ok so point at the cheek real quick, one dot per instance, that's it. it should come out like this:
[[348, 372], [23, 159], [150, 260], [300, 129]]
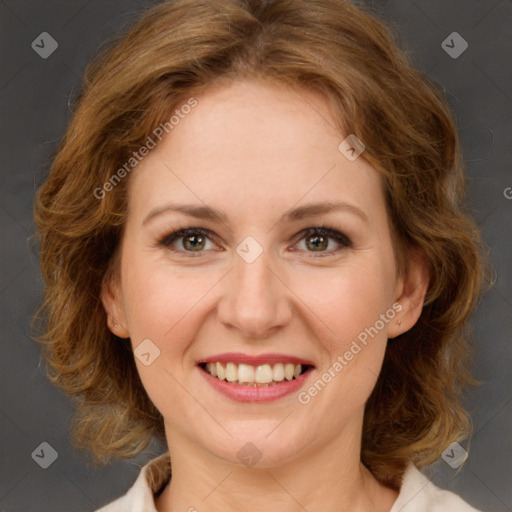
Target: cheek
[[162, 302], [347, 299], [352, 308], [352, 313], [162, 305]]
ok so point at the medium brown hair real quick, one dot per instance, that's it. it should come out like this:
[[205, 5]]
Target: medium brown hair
[[175, 51]]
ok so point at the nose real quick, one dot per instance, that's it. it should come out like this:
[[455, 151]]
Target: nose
[[255, 300]]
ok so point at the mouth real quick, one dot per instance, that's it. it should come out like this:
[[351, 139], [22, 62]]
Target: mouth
[[262, 375], [255, 379]]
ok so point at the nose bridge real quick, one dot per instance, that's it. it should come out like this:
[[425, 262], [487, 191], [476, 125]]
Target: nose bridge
[[255, 301]]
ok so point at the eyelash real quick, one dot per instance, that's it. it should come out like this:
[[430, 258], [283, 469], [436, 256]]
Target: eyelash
[[322, 230]]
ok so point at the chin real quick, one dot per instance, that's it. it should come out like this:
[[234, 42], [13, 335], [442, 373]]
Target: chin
[[259, 451]]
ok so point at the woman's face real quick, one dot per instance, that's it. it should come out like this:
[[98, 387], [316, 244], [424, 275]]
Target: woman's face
[[254, 287]]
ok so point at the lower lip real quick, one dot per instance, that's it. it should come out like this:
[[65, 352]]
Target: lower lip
[[256, 394]]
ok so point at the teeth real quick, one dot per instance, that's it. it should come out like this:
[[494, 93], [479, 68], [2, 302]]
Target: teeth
[[231, 372], [221, 372], [278, 372], [246, 374], [212, 369], [263, 374]]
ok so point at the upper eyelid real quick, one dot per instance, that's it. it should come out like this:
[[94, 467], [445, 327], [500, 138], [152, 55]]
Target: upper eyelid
[[180, 233]]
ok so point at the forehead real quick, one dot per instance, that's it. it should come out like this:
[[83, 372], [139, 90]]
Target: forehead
[[254, 145]]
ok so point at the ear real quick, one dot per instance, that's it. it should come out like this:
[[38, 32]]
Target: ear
[[111, 298], [411, 291]]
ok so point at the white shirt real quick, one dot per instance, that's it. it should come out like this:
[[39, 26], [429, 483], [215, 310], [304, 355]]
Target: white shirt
[[417, 493]]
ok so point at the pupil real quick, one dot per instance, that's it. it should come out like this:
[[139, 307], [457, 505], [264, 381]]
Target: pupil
[[318, 241], [197, 242]]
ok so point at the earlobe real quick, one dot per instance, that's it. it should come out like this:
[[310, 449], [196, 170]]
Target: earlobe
[[110, 297], [414, 288]]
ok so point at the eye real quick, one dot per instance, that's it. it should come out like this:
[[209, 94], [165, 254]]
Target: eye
[[317, 239], [193, 240]]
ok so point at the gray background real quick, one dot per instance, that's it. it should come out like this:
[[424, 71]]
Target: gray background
[[34, 94]]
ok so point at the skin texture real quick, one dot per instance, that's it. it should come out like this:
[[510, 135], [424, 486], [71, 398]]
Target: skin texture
[[255, 150]]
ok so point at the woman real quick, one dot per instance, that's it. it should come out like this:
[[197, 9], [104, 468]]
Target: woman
[[255, 250]]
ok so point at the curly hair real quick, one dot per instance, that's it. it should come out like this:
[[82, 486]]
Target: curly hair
[[178, 49]]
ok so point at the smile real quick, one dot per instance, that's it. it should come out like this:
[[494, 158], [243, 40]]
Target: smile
[[255, 379], [249, 375]]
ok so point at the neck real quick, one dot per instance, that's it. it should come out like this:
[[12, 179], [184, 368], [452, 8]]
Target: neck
[[329, 477]]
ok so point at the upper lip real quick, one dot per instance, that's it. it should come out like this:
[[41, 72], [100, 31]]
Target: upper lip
[[238, 357]]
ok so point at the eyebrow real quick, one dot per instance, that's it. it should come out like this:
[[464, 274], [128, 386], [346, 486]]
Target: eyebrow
[[313, 209], [213, 214], [197, 211]]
